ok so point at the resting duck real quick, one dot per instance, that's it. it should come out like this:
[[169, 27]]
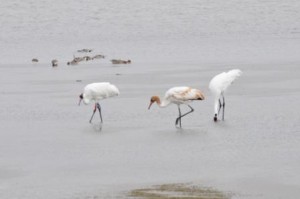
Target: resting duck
[[119, 61]]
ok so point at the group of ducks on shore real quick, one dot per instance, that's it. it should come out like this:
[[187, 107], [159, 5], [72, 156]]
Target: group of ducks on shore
[[77, 60], [176, 95]]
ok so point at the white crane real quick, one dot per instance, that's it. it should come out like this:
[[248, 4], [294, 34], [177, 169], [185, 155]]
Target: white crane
[[178, 96], [218, 86], [96, 92]]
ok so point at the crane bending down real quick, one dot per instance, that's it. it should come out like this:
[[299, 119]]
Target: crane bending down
[[96, 92], [178, 96], [218, 86]]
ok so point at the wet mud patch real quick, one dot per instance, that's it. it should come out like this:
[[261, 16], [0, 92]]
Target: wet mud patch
[[178, 191]]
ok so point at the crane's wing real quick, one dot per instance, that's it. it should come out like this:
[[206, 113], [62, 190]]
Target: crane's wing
[[182, 94], [230, 77], [98, 91], [222, 81]]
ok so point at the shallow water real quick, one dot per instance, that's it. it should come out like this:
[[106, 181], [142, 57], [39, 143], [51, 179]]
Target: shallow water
[[192, 31], [49, 150]]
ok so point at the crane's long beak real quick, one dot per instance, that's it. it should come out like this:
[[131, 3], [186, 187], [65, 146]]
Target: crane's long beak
[[150, 105]]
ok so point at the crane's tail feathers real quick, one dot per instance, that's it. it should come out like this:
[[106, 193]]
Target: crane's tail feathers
[[200, 96]]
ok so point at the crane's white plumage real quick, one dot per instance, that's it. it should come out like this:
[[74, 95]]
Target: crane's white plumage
[[181, 95], [99, 91], [96, 92], [178, 95], [218, 86]]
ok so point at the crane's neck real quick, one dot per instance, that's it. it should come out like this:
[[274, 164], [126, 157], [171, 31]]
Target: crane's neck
[[162, 103], [216, 107]]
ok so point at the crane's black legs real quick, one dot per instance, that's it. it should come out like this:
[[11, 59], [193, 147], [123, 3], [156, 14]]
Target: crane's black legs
[[221, 106], [97, 106], [93, 113], [181, 116]]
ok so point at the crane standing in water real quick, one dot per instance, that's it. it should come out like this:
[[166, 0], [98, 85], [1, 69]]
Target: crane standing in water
[[96, 92], [218, 85], [178, 96]]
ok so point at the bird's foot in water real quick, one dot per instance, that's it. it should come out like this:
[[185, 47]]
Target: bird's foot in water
[[97, 126], [100, 127], [176, 123]]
